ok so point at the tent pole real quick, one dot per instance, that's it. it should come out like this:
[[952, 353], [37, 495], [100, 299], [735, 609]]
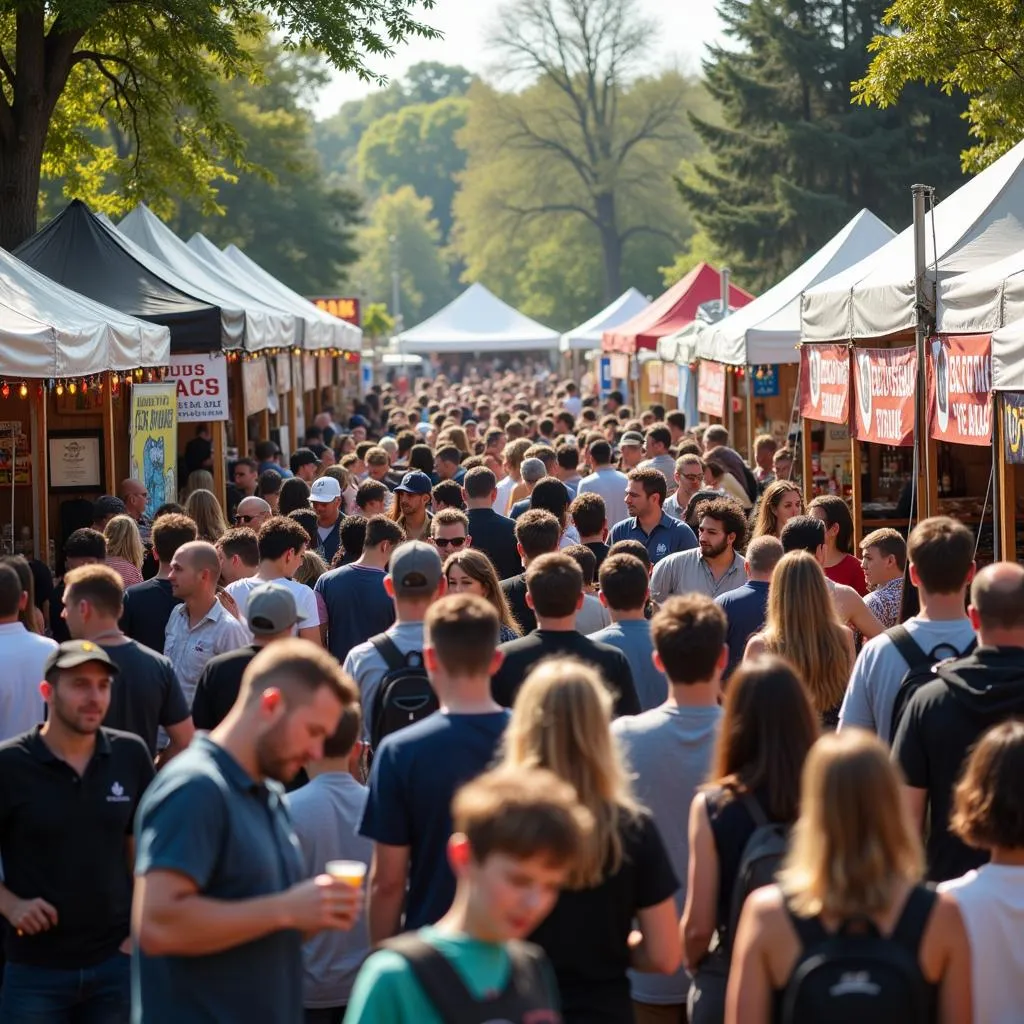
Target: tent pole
[[749, 380], [40, 474], [109, 435], [925, 316]]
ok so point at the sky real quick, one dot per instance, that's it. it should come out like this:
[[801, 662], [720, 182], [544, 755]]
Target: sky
[[686, 26]]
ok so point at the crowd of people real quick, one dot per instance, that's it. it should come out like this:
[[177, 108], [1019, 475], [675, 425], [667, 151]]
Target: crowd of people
[[502, 703]]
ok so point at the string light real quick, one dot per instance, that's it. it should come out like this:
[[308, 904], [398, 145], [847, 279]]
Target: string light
[[59, 389], [5, 390], [23, 390], [72, 387]]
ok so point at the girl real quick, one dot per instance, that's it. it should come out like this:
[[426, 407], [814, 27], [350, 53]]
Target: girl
[[471, 572]]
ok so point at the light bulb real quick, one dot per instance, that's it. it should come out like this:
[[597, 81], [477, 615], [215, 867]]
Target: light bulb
[[23, 390]]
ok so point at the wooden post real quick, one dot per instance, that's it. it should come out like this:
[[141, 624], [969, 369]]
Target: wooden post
[[109, 441], [264, 419], [856, 495], [807, 480], [40, 472], [293, 413], [749, 381], [1006, 490], [219, 439], [932, 467]]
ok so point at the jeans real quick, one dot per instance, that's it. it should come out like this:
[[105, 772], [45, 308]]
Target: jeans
[[49, 995]]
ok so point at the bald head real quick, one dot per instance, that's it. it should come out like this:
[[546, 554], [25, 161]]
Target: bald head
[[997, 604], [135, 496], [195, 572], [253, 512], [763, 554]]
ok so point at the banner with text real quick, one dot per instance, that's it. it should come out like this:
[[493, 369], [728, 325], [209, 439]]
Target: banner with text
[[959, 386], [885, 383], [1013, 426], [825, 383], [255, 385], [202, 384], [154, 441], [711, 388]]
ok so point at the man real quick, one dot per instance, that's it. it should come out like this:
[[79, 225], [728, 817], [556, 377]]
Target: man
[[448, 464], [713, 568], [148, 606], [555, 593], [649, 523], [765, 447], [372, 498], [532, 472], [566, 468], [941, 553], [613, 402], [84, 547], [378, 465], [689, 478], [624, 592], [782, 464], [352, 534], [326, 813], [239, 553], [716, 439], [449, 532], [565, 422], [304, 464], [104, 509], [199, 451], [135, 497], [513, 455], [246, 473], [68, 798], [676, 423], [537, 533], [572, 402], [588, 515], [271, 618], [325, 497], [447, 494], [417, 770], [631, 450], [493, 534], [282, 542], [656, 447], [944, 719], [669, 750], [200, 627], [220, 901], [413, 497], [413, 582], [253, 512], [358, 606], [606, 481], [23, 656], [884, 561], [269, 456], [146, 694], [746, 607], [592, 615]]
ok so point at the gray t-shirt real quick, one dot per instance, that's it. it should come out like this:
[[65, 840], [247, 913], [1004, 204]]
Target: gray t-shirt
[[880, 668], [669, 749], [633, 638]]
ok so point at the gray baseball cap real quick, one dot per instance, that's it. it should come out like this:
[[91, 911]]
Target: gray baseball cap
[[632, 438], [533, 470], [415, 569], [270, 609]]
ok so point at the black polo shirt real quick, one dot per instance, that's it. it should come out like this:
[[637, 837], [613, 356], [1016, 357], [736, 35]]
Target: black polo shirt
[[218, 686], [64, 837]]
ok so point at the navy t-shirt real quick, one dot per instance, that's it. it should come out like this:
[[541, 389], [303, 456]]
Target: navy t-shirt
[[745, 608], [416, 772], [358, 607]]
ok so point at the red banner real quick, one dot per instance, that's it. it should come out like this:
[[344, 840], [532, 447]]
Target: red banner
[[885, 385], [711, 389], [959, 386], [825, 383]]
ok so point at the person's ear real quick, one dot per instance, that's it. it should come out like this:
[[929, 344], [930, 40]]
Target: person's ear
[[271, 699], [459, 854], [723, 659], [916, 580], [430, 659], [582, 598], [972, 614], [746, 566], [602, 598], [23, 601], [658, 663], [389, 586], [529, 600], [497, 660]]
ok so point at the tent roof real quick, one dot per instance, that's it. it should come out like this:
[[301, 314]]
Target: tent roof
[[979, 224], [768, 329], [984, 299], [478, 321], [672, 310], [51, 331], [588, 335], [1008, 357], [79, 251], [262, 326]]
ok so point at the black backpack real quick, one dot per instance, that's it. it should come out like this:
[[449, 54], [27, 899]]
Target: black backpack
[[855, 974], [405, 694], [920, 668]]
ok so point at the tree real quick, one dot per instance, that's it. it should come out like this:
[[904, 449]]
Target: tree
[[148, 67], [973, 47], [377, 322], [794, 159]]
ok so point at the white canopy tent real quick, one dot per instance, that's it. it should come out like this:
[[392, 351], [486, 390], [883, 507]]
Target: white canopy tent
[[767, 330], [478, 321], [980, 224], [1008, 357], [984, 299], [587, 337]]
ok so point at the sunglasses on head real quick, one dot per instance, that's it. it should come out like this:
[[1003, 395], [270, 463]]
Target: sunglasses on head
[[455, 542]]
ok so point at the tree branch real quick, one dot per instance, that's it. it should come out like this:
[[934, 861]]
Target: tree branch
[[647, 229]]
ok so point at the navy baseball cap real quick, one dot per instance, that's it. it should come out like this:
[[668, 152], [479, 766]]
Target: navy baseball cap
[[416, 482]]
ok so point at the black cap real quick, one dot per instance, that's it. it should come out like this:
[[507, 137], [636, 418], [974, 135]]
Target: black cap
[[73, 653], [303, 457]]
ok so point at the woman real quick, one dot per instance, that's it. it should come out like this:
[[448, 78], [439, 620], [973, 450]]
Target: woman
[[802, 626], [854, 857], [840, 564], [199, 480], [455, 435], [561, 721], [31, 617], [294, 494], [767, 728], [471, 572], [780, 502], [204, 508], [310, 569], [124, 549]]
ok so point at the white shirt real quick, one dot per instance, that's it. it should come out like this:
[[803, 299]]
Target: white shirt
[[305, 600], [611, 485], [506, 485], [23, 656], [191, 647]]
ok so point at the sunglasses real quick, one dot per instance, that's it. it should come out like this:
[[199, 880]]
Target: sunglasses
[[244, 519], [455, 542], [692, 476]]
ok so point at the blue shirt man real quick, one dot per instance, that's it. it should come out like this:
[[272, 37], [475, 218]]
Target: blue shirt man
[[665, 537], [746, 607]]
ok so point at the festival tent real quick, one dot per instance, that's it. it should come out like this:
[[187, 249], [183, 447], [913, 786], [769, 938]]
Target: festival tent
[[1008, 357], [588, 335], [672, 311], [264, 326], [984, 299], [767, 330], [978, 225], [478, 321]]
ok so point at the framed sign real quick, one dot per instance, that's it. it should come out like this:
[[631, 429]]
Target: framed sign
[[76, 460]]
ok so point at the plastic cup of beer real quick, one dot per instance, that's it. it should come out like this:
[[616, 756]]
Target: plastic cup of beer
[[351, 872]]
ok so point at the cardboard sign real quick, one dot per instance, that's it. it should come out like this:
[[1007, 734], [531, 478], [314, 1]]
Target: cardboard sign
[[825, 383], [959, 388], [202, 386], [885, 388], [711, 389]]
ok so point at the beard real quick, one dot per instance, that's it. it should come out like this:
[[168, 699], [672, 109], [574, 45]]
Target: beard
[[709, 550], [72, 722], [272, 757]]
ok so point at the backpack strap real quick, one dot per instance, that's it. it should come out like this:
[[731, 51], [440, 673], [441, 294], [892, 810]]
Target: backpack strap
[[910, 650], [754, 809], [388, 650], [809, 930], [913, 920], [434, 973]]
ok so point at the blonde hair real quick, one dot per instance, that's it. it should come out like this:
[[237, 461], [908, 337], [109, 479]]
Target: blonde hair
[[853, 846], [124, 541], [199, 480], [311, 568], [766, 521], [204, 509], [478, 566], [562, 721], [802, 627]]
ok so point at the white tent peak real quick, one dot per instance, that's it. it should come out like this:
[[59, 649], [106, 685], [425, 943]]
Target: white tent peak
[[588, 335]]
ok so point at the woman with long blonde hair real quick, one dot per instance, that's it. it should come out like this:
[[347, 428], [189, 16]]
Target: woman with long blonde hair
[[203, 508], [562, 721], [198, 480], [455, 435], [779, 503], [855, 862], [125, 552], [471, 572], [802, 627]]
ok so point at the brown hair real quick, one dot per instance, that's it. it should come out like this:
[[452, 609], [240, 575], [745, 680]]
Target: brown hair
[[479, 567], [463, 631], [99, 585], [279, 535], [766, 521], [449, 517], [298, 668], [538, 532], [653, 482], [380, 528], [729, 513], [635, 548], [585, 559], [350, 727], [988, 807], [588, 513], [240, 541], [554, 583], [889, 542], [836, 512], [170, 532], [624, 582], [202, 505], [689, 633], [942, 552]]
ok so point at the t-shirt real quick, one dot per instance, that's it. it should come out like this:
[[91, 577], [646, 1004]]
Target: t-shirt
[[848, 571], [669, 752], [745, 609], [415, 774], [305, 599], [147, 607], [633, 638], [585, 935], [218, 686], [358, 607], [592, 616]]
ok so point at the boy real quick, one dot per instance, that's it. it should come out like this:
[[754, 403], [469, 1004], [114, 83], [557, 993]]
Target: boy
[[516, 834]]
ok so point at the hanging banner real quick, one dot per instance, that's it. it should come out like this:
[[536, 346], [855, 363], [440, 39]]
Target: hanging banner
[[15, 455], [255, 385], [885, 385], [325, 371], [154, 441], [959, 386], [283, 365], [825, 383], [620, 366], [1013, 427], [654, 377], [670, 380], [202, 383], [711, 388], [308, 372], [766, 381]]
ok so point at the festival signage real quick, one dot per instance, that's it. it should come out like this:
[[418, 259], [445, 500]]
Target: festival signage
[[711, 388], [202, 386], [766, 381], [255, 385], [885, 388], [154, 441], [308, 372], [959, 386], [283, 367], [325, 370], [620, 366], [654, 377], [346, 309], [825, 383], [1013, 427]]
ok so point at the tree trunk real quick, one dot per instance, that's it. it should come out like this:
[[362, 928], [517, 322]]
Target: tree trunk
[[611, 245], [20, 171]]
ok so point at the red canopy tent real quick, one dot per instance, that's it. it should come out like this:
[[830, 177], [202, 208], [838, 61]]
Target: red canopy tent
[[672, 311]]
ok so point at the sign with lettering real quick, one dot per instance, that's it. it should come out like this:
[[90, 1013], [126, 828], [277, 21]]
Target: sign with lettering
[[202, 386], [711, 388], [1013, 426], [825, 383], [885, 387], [154, 441], [959, 388], [343, 309]]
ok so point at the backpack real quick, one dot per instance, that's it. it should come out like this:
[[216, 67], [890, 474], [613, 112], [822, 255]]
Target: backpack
[[920, 668], [856, 974], [405, 694]]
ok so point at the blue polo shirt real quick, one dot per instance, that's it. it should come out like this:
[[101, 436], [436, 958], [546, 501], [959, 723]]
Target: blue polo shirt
[[745, 608], [668, 536], [204, 817]]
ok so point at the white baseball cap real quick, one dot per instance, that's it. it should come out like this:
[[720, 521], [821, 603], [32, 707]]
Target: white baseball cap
[[325, 489]]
